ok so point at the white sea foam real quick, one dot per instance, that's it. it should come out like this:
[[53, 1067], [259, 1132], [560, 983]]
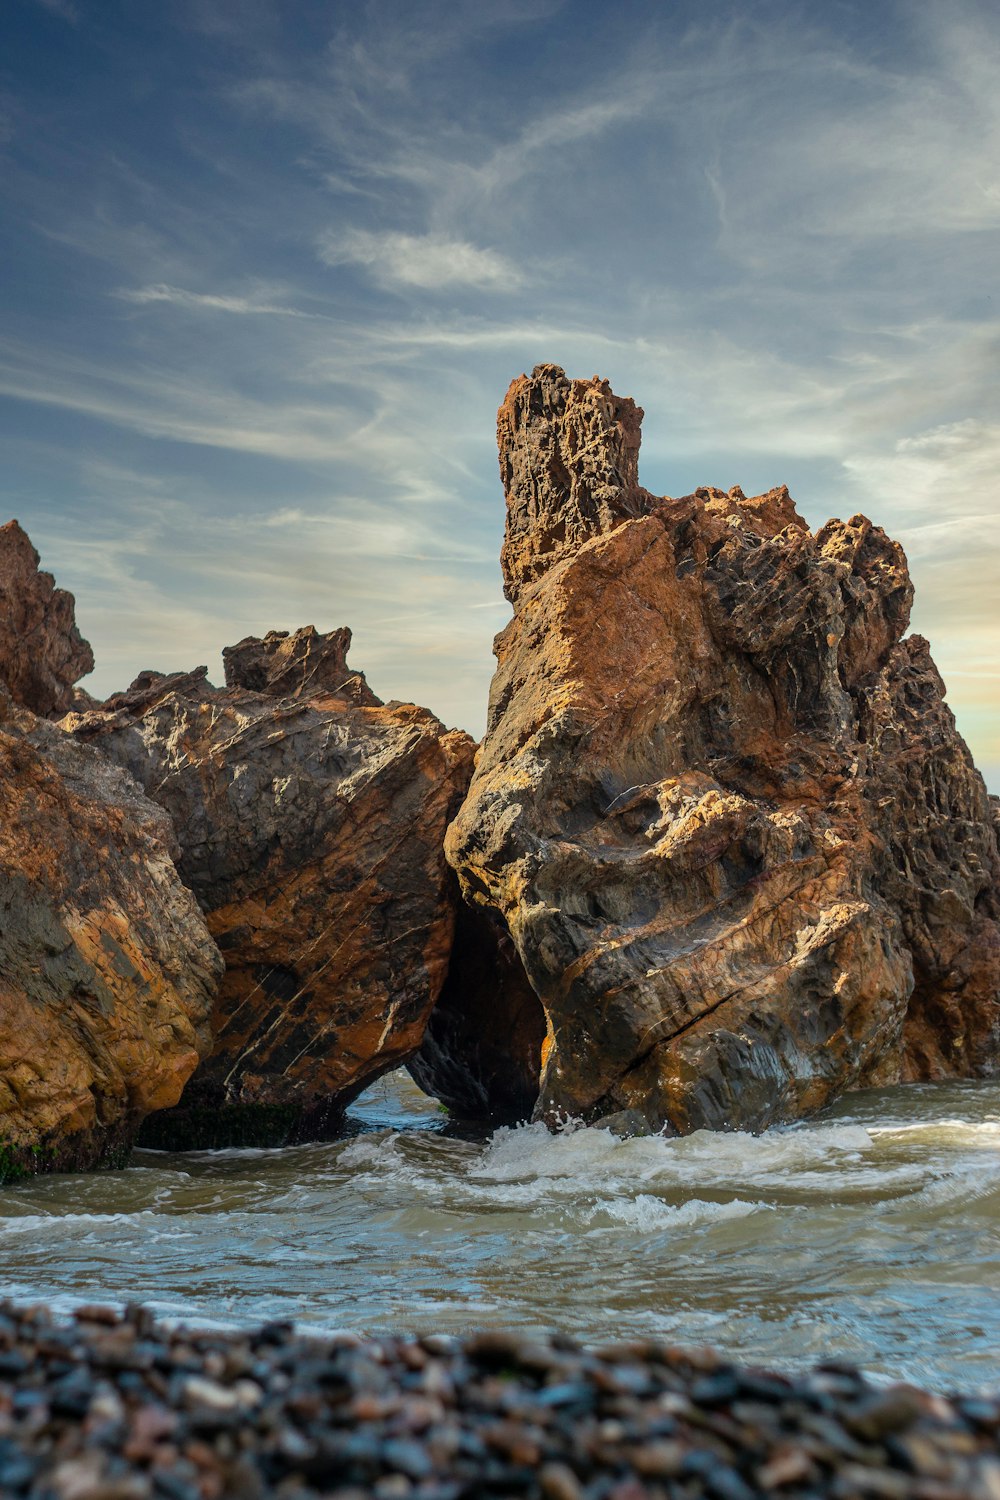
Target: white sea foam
[[580, 1171], [376, 1150], [973, 1134], [39, 1223], [647, 1212], [799, 1156], [873, 1233]]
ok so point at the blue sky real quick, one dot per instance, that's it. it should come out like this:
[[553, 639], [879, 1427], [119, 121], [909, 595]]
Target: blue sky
[[270, 266]]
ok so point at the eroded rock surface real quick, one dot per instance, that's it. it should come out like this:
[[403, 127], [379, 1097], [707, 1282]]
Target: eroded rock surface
[[721, 807], [311, 831], [569, 461], [42, 653], [295, 665], [107, 970], [938, 866]]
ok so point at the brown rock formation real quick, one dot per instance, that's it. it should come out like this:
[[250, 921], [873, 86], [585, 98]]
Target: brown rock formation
[[938, 842], [107, 971], [721, 807], [311, 832], [42, 654], [293, 666], [569, 461]]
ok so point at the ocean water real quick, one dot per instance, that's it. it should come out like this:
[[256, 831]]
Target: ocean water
[[870, 1233]]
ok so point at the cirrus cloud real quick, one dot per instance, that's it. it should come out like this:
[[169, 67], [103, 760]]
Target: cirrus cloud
[[427, 261], [177, 296]]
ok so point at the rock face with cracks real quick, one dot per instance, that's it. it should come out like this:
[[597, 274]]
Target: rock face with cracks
[[42, 653], [721, 808], [311, 829], [293, 666], [107, 970]]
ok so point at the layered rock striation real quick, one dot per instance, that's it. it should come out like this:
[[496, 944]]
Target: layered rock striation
[[721, 812], [42, 653], [107, 970], [297, 664], [310, 819]]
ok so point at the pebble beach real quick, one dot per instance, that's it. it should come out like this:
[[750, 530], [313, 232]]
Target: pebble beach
[[113, 1405]]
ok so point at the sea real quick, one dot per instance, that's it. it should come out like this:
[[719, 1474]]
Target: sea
[[870, 1233]]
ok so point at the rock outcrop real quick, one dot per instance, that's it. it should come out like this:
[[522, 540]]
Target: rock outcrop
[[42, 653], [107, 971], [310, 827], [293, 666], [938, 867], [721, 808]]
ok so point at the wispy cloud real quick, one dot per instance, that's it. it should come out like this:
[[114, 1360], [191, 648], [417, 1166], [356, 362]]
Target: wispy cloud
[[181, 409], [205, 301], [65, 9], [574, 122], [428, 261], [938, 485], [278, 310], [858, 156], [163, 582]]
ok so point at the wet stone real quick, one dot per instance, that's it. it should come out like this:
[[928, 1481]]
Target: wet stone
[[726, 1484], [16, 1474], [211, 1416], [761, 1387], [716, 1390], [891, 1411], [97, 1313], [985, 1414], [558, 1482], [407, 1458], [71, 1396]]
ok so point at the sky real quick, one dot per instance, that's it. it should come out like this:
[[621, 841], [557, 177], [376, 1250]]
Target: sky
[[269, 267]]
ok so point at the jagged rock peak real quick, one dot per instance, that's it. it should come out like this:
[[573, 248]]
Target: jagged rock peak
[[42, 653], [295, 665], [569, 456], [721, 811], [150, 686]]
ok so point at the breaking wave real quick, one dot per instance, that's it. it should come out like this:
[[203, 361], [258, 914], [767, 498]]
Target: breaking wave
[[870, 1233]]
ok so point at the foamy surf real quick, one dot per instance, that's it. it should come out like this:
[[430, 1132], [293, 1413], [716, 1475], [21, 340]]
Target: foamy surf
[[872, 1233]]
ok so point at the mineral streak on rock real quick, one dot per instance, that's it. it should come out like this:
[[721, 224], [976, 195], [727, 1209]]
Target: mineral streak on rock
[[42, 653], [311, 830], [721, 807], [292, 666], [107, 970]]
